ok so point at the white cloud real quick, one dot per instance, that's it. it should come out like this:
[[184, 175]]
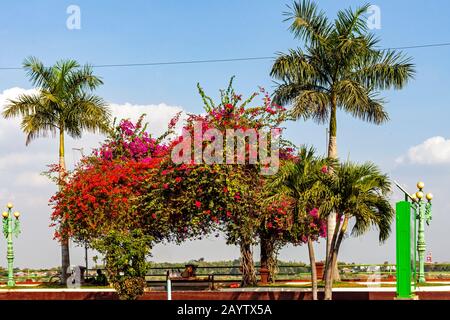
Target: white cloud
[[31, 179], [435, 150], [157, 115], [13, 93], [7, 126], [17, 160]]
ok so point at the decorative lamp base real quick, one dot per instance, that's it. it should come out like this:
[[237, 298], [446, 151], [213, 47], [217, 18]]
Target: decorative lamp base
[[413, 297]]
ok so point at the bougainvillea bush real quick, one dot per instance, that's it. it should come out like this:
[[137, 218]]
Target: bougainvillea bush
[[98, 203], [100, 194], [285, 223], [226, 197], [131, 183]]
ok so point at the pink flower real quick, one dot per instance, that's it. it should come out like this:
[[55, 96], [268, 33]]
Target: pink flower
[[324, 169], [314, 213], [166, 186]]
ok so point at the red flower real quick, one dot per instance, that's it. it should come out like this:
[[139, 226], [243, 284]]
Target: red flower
[[166, 186], [198, 204], [324, 169], [178, 179]]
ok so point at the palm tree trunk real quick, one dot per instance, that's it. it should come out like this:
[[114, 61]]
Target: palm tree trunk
[[247, 265], [65, 257], [328, 274], [333, 255], [332, 154], [312, 261]]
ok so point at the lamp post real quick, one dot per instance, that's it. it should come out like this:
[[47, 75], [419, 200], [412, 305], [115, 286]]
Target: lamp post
[[10, 228], [422, 214]]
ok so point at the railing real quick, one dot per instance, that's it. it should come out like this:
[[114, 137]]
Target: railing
[[233, 273]]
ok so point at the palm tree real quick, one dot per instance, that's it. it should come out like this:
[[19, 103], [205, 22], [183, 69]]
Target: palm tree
[[63, 104], [300, 181], [340, 67], [357, 192]]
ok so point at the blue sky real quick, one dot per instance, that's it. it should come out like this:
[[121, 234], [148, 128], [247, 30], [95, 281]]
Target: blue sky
[[158, 31]]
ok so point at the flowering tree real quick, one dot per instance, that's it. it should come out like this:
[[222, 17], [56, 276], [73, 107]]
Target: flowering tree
[[243, 212], [101, 193], [98, 203], [275, 226], [219, 196], [132, 183]]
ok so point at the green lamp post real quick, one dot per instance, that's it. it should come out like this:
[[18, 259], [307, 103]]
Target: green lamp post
[[10, 228], [422, 210]]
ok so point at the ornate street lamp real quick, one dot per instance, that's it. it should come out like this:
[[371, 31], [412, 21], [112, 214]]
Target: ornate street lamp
[[422, 210], [10, 228]]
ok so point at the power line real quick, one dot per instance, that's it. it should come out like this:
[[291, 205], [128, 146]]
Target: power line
[[444, 44], [163, 63], [147, 64], [180, 62]]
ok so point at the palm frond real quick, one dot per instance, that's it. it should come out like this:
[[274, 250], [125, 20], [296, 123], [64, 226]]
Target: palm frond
[[308, 23], [385, 70], [62, 101], [350, 22], [39, 75]]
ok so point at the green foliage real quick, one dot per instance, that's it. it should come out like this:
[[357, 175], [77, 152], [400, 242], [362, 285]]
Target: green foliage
[[359, 192], [125, 255]]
